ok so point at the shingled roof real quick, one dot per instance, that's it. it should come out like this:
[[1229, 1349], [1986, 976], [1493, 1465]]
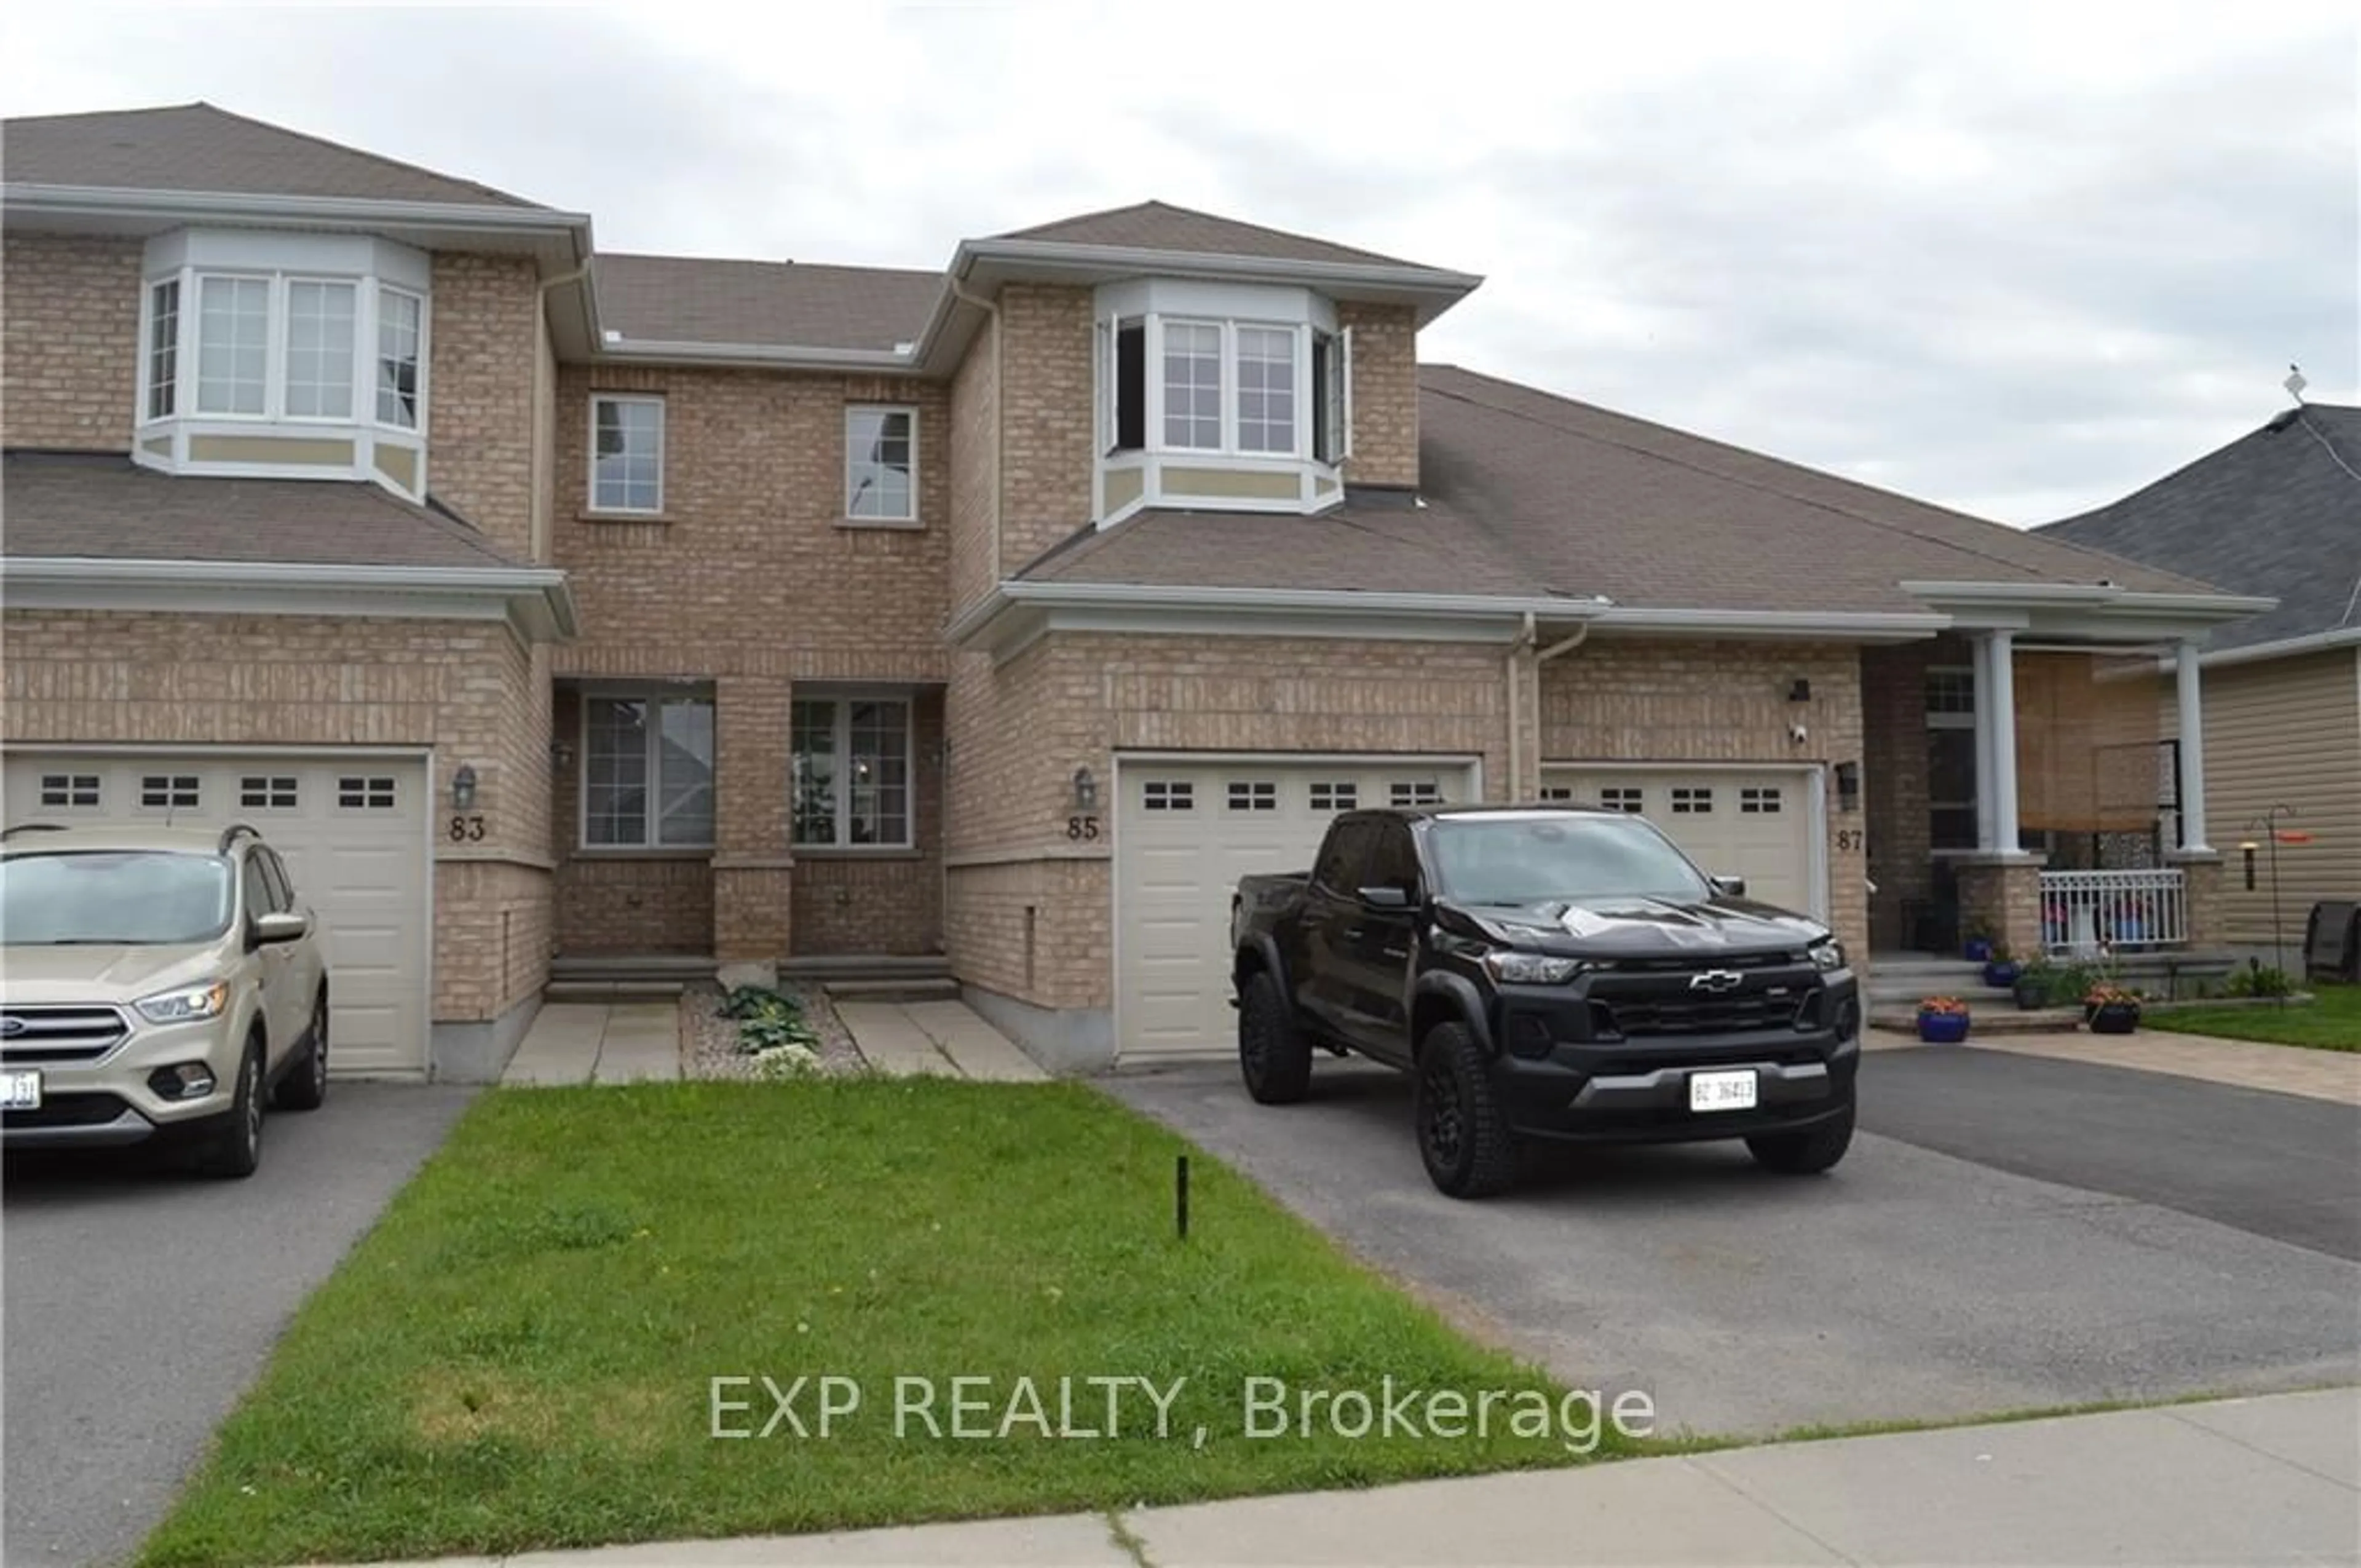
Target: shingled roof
[[1527, 493], [198, 148], [1160, 225], [2277, 512], [681, 299], [101, 505]]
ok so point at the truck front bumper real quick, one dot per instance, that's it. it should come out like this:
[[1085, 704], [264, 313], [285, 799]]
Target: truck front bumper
[[1612, 1098]]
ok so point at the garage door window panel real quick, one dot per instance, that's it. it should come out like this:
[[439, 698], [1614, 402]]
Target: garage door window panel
[[168, 792], [647, 773], [1167, 794], [70, 791], [852, 772]]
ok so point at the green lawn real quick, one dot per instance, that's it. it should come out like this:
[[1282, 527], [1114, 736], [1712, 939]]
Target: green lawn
[[519, 1355], [2331, 1024]]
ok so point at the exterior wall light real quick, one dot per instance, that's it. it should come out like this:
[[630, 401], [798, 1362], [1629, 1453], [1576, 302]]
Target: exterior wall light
[[1799, 690], [1086, 790], [1847, 786], [463, 788]]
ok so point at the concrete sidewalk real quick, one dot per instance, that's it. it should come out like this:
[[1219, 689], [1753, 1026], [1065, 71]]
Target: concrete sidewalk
[[2272, 1480], [2248, 1064], [946, 1039], [598, 1042]]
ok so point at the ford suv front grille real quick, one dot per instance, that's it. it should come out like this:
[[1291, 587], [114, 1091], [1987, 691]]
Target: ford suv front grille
[[32, 1034]]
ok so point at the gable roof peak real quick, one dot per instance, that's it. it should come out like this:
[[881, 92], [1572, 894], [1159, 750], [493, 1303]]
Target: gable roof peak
[[1159, 224]]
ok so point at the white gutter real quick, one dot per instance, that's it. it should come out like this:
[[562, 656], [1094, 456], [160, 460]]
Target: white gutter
[[1134, 258], [728, 355], [101, 201], [2285, 648], [991, 308], [1777, 622], [545, 583], [2221, 607]]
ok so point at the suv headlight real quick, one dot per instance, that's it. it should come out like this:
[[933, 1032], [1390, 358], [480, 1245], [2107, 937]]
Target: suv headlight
[[1826, 954], [1531, 969], [186, 1004]]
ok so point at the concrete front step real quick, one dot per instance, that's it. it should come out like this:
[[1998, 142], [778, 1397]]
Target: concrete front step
[[867, 966], [680, 968], [1884, 992], [917, 989], [611, 990], [2008, 1020]]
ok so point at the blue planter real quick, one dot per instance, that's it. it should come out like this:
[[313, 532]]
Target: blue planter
[[1942, 1028], [2001, 974], [1977, 950]]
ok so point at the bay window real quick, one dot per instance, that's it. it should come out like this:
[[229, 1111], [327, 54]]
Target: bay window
[[1266, 389], [850, 758], [163, 348], [399, 315], [1192, 385], [647, 772], [233, 345], [320, 321]]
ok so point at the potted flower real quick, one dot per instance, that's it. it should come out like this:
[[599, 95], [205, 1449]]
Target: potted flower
[[2111, 1010], [1978, 947], [2001, 970], [1942, 1020], [2031, 986]]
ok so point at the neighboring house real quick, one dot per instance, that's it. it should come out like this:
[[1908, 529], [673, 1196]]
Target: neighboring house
[[544, 602], [2276, 512]]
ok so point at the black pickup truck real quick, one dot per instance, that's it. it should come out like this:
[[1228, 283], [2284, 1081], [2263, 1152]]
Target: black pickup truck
[[1547, 972]]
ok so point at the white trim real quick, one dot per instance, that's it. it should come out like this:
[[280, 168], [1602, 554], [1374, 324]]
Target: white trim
[[1817, 870], [841, 699], [1472, 762], [603, 508], [536, 599], [911, 519], [2284, 648], [655, 696]]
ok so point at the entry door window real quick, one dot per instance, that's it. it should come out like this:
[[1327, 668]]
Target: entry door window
[[1951, 758]]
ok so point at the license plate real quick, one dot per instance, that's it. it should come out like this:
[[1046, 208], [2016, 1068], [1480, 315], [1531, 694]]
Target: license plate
[[1721, 1091], [20, 1090]]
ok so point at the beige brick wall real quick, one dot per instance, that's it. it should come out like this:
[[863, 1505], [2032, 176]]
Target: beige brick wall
[[1631, 701], [462, 687], [1046, 422], [1385, 393], [1895, 784], [974, 471], [1072, 700], [70, 344], [480, 414], [2003, 902]]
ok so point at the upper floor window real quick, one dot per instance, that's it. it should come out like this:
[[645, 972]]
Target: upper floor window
[[1192, 385], [881, 465], [399, 318], [233, 346], [627, 454], [163, 348]]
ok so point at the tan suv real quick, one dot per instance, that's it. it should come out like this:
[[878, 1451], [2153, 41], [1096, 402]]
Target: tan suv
[[155, 981]]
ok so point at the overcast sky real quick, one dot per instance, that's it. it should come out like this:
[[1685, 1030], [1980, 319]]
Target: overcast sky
[[2020, 259]]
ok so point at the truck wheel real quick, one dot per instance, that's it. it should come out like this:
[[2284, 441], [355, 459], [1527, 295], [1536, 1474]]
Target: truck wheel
[[305, 1086], [1462, 1135], [1805, 1152], [232, 1149], [1272, 1052]]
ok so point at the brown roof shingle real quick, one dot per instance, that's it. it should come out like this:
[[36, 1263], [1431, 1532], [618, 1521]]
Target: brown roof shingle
[[1158, 225], [1528, 493], [684, 298], [198, 148], [102, 505]]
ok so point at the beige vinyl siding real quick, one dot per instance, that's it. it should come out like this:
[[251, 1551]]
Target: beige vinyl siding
[[2288, 731]]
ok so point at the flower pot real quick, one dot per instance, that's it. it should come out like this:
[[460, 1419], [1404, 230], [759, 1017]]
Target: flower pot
[[1977, 950], [2001, 974], [2031, 992], [2113, 1018], [1942, 1028]]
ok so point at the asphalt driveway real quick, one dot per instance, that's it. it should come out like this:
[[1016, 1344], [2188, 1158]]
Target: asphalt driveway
[[1990, 1244], [141, 1302]]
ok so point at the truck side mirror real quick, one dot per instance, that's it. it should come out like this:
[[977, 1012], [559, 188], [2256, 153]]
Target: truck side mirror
[[1735, 886], [1384, 898]]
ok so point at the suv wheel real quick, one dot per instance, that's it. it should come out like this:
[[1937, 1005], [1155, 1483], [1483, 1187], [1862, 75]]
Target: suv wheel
[[1462, 1135], [306, 1083], [234, 1147], [1272, 1051], [1807, 1153]]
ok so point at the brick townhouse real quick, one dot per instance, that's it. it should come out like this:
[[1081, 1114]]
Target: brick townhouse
[[543, 603]]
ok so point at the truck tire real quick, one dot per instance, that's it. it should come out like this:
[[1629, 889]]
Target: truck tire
[[232, 1149], [1462, 1135], [305, 1086], [1273, 1053], [1807, 1153]]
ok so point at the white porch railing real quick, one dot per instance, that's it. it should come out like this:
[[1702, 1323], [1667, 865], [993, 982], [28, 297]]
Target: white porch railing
[[2086, 913]]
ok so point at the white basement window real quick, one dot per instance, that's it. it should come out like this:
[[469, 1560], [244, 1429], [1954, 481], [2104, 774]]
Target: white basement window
[[881, 465], [850, 758], [647, 773], [627, 454]]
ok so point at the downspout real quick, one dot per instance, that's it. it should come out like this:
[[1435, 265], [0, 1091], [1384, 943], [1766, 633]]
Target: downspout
[[1518, 646], [999, 413], [992, 585], [1564, 646]]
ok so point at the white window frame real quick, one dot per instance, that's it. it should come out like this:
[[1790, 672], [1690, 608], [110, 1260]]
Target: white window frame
[[284, 331], [1299, 341], [840, 731], [273, 338], [374, 338], [602, 508], [1226, 385], [653, 819], [881, 519], [149, 348]]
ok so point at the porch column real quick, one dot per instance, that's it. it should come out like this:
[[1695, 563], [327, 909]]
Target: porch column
[[2000, 657], [1984, 731], [2193, 751]]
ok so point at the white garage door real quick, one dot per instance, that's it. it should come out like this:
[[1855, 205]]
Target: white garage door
[[1185, 833], [352, 832], [1756, 826]]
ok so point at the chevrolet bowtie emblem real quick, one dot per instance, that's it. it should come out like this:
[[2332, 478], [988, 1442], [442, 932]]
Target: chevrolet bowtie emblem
[[1716, 979]]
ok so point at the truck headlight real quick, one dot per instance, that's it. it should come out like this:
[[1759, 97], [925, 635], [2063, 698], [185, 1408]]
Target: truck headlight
[[186, 1004], [1826, 954], [1531, 969]]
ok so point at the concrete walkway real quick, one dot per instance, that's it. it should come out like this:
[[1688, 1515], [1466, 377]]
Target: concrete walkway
[[2274, 1480], [906, 1039], [2249, 1064], [598, 1042]]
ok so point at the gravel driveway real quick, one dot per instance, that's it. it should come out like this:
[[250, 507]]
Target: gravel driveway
[[142, 1302], [1907, 1284]]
